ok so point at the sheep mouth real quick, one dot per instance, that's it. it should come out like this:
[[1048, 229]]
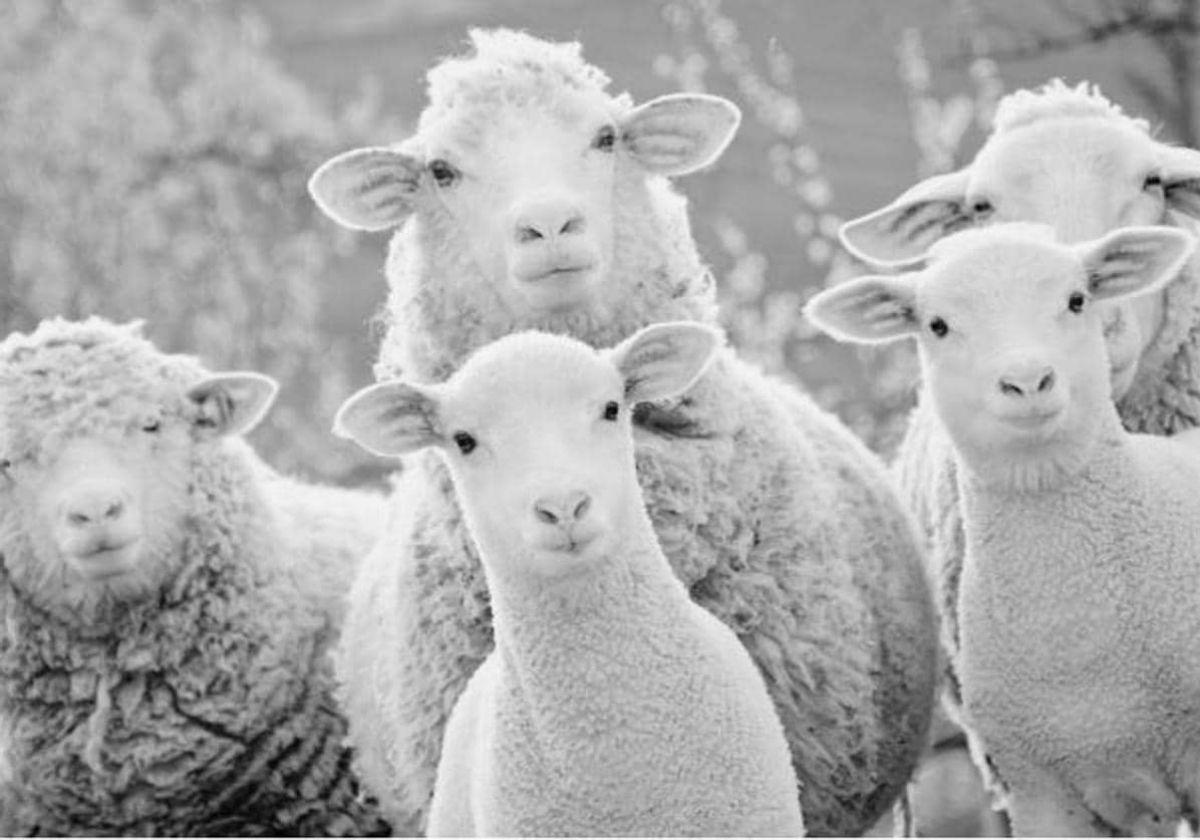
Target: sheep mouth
[[559, 273], [1036, 420], [107, 559]]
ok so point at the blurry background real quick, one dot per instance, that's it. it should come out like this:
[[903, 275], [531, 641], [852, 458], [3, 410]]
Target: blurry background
[[153, 158]]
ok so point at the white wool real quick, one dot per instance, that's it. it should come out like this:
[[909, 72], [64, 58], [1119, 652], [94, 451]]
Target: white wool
[[1057, 99]]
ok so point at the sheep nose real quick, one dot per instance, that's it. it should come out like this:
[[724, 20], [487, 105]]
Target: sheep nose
[[546, 220], [564, 510], [1026, 383], [93, 506]]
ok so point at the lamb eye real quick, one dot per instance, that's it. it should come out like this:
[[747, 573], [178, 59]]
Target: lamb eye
[[152, 426], [611, 410], [606, 139], [1075, 302], [5, 466], [1153, 181], [939, 327], [981, 207], [465, 443], [443, 173]]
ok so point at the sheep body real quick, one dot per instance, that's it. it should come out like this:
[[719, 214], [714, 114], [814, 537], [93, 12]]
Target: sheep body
[[777, 520], [202, 703], [611, 702], [1076, 625]]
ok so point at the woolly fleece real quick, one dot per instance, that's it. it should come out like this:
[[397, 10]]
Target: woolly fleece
[[775, 517], [205, 708]]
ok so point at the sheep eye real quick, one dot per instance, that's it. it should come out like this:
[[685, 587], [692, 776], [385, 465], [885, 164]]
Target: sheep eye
[[5, 466], [1075, 302], [443, 173], [981, 207], [1153, 181], [611, 410], [465, 443], [939, 327], [606, 139], [152, 426]]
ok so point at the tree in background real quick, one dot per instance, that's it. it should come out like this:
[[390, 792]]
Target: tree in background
[[154, 159]]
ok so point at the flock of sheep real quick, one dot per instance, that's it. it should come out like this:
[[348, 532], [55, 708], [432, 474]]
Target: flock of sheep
[[625, 583]]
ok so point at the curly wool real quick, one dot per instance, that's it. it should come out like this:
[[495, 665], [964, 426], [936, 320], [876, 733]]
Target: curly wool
[[1056, 99], [205, 709]]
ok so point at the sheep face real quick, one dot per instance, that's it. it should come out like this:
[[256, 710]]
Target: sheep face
[[536, 431], [96, 481], [1010, 333], [521, 161], [1063, 157]]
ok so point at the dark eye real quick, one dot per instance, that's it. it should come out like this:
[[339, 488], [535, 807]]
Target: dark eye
[[1153, 181], [981, 207], [606, 139], [611, 410], [443, 173], [939, 327], [465, 443], [152, 426], [1075, 301], [5, 465]]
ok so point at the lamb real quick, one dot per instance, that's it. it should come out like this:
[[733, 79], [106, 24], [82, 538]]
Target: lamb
[[1079, 654], [1070, 158], [611, 704], [166, 601], [529, 197]]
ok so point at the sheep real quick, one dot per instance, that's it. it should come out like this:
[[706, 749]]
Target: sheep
[[166, 603], [529, 198], [1079, 654], [611, 703]]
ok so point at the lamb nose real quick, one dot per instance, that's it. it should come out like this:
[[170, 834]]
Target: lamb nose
[[1025, 384], [94, 508], [564, 509]]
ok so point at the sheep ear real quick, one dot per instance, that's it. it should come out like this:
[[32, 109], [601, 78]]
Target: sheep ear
[[900, 233], [1134, 260], [666, 359], [390, 418], [1181, 179], [681, 132], [367, 189], [232, 403], [867, 310]]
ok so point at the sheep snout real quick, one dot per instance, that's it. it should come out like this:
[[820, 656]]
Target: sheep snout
[[1026, 382]]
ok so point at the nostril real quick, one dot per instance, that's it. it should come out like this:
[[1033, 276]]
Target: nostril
[[1047, 382], [1010, 388], [575, 224], [582, 507], [76, 518], [545, 514], [526, 233], [114, 510]]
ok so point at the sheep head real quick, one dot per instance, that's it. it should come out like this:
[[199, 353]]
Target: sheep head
[[523, 197], [98, 434], [1010, 334], [1061, 156], [535, 429]]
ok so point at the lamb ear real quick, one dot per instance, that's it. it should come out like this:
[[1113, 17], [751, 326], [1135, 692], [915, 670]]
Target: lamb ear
[[390, 418], [367, 189], [1134, 260], [1181, 179], [867, 310], [232, 403], [900, 233], [663, 360], [681, 132]]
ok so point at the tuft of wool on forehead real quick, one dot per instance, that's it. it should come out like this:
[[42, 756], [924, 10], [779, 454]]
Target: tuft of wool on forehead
[[1057, 99], [70, 378], [513, 68]]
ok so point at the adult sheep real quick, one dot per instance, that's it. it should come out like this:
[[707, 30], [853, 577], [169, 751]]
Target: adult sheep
[[531, 198], [169, 603]]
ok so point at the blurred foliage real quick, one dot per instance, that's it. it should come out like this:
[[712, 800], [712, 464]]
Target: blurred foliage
[[154, 166]]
